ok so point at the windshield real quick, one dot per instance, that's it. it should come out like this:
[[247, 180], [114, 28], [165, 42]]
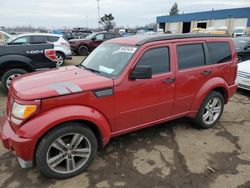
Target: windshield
[[109, 59], [90, 36], [239, 30]]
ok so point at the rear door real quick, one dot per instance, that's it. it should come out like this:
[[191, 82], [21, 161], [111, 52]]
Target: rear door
[[192, 73], [39, 39]]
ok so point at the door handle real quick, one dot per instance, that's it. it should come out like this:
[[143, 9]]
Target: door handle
[[206, 72], [169, 80]]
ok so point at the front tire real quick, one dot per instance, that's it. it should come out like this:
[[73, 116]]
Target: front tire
[[9, 76], [210, 110], [66, 151]]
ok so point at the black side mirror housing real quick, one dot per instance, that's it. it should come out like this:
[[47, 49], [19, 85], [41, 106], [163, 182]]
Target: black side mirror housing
[[141, 72]]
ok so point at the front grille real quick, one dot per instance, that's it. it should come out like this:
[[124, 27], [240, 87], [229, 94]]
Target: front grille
[[243, 74]]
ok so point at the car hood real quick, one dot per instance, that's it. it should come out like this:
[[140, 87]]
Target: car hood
[[57, 82], [244, 66]]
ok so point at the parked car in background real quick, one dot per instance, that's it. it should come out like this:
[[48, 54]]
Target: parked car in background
[[61, 45], [68, 35], [239, 32], [20, 59], [4, 37], [89, 43], [243, 76], [242, 45], [80, 35], [124, 85]]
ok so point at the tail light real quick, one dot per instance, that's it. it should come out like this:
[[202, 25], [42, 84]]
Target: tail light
[[51, 54]]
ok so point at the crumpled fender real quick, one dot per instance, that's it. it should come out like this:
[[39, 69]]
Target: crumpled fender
[[36, 127], [206, 89]]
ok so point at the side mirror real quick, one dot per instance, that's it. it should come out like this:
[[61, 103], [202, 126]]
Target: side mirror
[[141, 72], [94, 39]]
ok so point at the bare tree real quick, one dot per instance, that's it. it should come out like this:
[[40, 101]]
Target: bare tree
[[107, 21]]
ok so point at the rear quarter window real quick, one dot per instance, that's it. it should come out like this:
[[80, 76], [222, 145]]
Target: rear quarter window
[[219, 52]]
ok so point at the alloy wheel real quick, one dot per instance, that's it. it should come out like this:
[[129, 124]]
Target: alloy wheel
[[68, 153], [10, 79], [212, 110], [59, 60]]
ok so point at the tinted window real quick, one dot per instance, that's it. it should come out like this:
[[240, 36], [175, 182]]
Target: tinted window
[[219, 52], [99, 37], [157, 59], [39, 39], [21, 40], [109, 36], [190, 55], [53, 38]]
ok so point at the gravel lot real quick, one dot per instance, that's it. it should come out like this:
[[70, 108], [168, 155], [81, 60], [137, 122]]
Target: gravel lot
[[173, 154]]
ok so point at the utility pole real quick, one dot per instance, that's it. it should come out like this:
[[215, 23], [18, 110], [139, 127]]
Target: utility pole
[[87, 23], [98, 8]]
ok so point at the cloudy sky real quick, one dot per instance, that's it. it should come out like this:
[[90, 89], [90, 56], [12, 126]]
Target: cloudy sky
[[71, 13]]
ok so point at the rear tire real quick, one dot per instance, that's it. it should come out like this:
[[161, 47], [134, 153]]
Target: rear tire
[[9, 76], [210, 110], [83, 50], [60, 59], [66, 151]]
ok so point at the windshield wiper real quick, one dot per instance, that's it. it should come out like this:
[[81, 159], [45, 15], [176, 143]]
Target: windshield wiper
[[92, 70]]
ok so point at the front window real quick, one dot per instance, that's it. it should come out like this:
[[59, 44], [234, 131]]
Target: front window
[[99, 37], [90, 36], [109, 59], [21, 40]]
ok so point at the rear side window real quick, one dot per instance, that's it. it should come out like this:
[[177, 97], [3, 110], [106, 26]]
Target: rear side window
[[157, 59], [190, 55], [39, 39], [53, 38], [219, 52]]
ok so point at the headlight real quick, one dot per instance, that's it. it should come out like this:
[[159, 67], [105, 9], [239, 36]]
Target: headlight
[[23, 111]]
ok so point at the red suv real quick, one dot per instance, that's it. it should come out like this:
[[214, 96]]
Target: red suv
[[89, 43], [57, 119]]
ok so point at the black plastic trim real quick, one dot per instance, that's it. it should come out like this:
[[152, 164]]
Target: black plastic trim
[[104, 92]]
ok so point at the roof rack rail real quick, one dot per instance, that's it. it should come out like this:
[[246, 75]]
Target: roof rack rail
[[177, 36]]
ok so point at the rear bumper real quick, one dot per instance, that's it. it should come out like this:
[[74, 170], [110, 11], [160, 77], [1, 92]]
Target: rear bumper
[[22, 148], [73, 48]]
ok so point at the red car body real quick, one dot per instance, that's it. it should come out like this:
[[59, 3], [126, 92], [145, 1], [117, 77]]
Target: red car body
[[134, 104]]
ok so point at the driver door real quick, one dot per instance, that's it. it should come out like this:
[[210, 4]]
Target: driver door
[[143, 102], [99, 38]]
